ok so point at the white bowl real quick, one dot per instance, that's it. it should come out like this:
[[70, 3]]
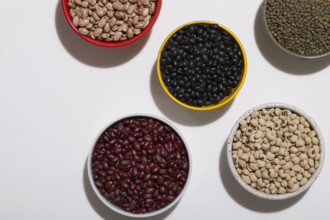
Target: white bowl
[[118, 209], [255, 191]]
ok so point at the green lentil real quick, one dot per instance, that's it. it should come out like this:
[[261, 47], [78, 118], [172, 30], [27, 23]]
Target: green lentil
[[300, 26]]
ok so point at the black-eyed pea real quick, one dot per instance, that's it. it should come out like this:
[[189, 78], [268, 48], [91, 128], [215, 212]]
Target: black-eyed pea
[[239, 170], [254, 114], [303, 181], [300, 143], [260, 163], [311, 162], [297, 133], [240, 153], [252, 138], [306, 124], [287, 157], [269, 136], [282, 151], [257, 146], [303, 156], [236, 145], [251, 158], [274, 149], [245, 171], [287, 166], [295, 160], [265, 140], [268, 165], [265, 174], [315, 140], [272, 186], [293, 150], [292, 173], [265, 147], [307, 139], [299, 177], [242, 164], [262, 121], [83, 31], [270, 156], [253, 166], [245, 157], [254, 122], [254, 185], [301, 127], [317, 164], [272, 173], [253, 177], [243, 124], [311, 153], [246, 179], [311, 170], [281, 190], [306, 130], [317, 156], [301, 171], [277, 161], [293, 138], [295, 188], [257, 155], [312, 133], [282, 162], [307, 174], [267, 191], [293, 127], [260, 183]]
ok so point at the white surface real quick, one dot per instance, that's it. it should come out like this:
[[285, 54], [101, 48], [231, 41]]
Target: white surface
[[57, 92]]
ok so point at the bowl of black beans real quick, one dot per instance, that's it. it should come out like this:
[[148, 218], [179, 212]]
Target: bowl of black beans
[[139, 166], [202, 65]]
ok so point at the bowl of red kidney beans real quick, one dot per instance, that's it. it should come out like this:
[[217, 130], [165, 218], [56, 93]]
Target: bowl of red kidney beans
[[139, 166]]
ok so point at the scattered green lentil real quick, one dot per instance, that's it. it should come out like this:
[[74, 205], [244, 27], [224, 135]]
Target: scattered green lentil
[[300, 26]]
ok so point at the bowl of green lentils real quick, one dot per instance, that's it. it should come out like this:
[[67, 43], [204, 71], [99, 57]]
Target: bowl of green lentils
[[299, 27]]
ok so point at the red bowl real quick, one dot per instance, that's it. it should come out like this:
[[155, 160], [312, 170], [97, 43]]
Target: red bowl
[[153, 19]]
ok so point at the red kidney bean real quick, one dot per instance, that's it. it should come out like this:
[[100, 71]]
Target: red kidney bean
[[140, 164]]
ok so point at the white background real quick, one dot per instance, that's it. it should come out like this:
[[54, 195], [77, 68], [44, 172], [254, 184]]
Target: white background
[[57, 92]]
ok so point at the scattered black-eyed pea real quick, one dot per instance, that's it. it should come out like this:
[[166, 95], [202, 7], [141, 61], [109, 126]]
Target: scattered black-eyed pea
[[307, 174], [295, 160]]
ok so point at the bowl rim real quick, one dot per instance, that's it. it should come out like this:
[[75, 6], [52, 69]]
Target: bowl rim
[[144, 31], [255, 191], [223, 101], [116, 208], [309, 57]]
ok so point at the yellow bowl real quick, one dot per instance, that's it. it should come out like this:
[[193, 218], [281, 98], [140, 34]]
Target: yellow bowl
[[225, 99]]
